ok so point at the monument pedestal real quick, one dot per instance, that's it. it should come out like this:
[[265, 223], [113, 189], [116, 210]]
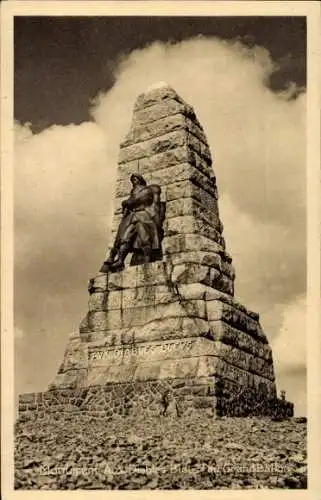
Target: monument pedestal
[[150, 330]]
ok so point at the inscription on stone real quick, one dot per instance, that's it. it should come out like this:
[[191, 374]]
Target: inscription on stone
[[138, 350]]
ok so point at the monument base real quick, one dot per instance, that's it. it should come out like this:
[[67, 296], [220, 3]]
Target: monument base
[[153, 342], [171, 397]]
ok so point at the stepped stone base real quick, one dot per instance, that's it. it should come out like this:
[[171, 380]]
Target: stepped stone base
[[145, 324], [171, 397], [151, 334]]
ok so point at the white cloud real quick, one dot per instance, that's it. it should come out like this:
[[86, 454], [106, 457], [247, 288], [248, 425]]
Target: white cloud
[[290, 344], [289, 350]]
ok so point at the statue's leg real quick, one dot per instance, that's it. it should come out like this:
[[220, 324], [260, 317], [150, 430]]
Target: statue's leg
[[108, 262], [112, 254], [119, 264]]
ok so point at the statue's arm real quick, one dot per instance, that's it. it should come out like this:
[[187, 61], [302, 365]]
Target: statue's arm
[[143, 198]]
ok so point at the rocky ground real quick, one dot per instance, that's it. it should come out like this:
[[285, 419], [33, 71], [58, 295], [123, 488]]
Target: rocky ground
[[161, 453]]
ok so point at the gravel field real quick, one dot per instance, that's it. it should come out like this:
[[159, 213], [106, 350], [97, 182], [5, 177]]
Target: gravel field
[[79, 452]]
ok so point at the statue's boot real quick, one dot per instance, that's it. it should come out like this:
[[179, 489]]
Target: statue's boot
[[108, 262], [112, 255], [119, 263]]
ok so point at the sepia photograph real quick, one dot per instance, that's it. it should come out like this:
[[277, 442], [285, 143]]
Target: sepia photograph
[[160, 250]]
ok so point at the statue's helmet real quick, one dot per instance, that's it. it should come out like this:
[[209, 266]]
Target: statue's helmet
[[139, 177]]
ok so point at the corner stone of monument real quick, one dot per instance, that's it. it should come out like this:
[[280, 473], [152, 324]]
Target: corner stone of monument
[[168, 335]]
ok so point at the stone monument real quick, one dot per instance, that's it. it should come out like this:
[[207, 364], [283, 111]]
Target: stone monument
[[164, 330]]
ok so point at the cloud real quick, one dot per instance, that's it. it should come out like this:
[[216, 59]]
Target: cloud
[[289, 348], [290, 343], [64, 178]]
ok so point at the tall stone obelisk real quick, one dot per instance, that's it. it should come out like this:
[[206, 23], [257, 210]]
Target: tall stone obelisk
[[172, 326]]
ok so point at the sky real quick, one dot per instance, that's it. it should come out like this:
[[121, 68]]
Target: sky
[[76, 81]]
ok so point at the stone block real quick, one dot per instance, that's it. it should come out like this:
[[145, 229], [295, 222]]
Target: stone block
[[156, 95], [240, 339], [138, 316], [166, 175], [111, 321], [154, 273], [123, 188], [115, 281], [188, 224], [71, 379], [231, 314], [164, 328], [202, 243], [245, 361], [221, 282], [114, 300], [199, 147], [97, 301], [31, 407], [196, 273], [173, 244], [125, 170], [244, 379], [190, 273], [154, 129], [39, 398], [124, 279], [28, 398], [138, 297], [212, 365], [170, 368], [204, 258], [228, 269], [191, 206], [98, 320], [160, 110], [178, 190], [196, 130], [190, 243], [163, 160], [99, 283], [202, 164], [196, 187], [150, 147], [192, 291], [84, 328], [212, 294], [164, 294], [178, 207], [75, 356]]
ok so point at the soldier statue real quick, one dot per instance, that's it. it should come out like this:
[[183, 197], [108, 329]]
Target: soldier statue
[[140, 230]]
